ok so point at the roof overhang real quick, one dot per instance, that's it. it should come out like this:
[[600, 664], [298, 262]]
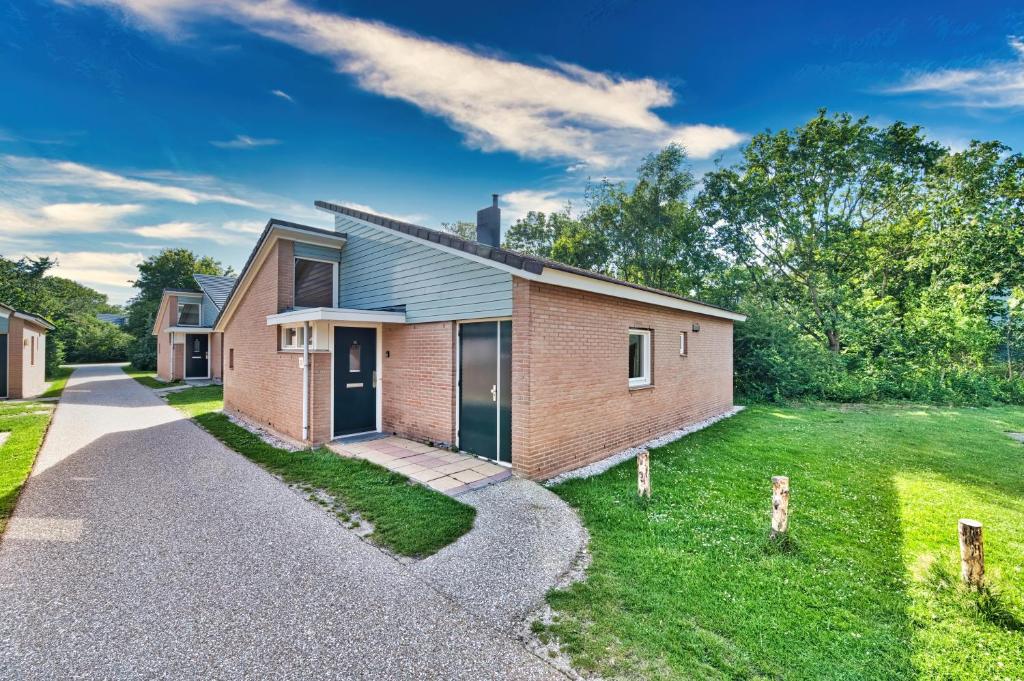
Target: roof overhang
[[38, 321], [335, 314], [275, 231], [202, 330]]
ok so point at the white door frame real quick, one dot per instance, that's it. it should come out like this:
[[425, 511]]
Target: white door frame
[[379, 366]]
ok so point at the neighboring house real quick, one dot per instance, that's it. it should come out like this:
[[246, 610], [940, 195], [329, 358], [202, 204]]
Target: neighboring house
[[385, 326], [186, 345], [22, 353], [118, 320]]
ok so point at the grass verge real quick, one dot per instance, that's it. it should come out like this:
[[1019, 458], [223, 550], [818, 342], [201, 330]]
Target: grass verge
[[688, 586], [58, 381], [408, 519], [148, 378], [26, 422]]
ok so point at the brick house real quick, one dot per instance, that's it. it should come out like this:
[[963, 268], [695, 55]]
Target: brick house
[[384, 326], [187, 347], [22, 353]]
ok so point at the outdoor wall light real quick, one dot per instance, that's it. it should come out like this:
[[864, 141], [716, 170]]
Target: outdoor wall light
[[696, 327]]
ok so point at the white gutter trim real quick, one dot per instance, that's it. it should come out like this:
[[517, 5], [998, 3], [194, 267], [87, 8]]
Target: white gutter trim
[[335, 314], [35, 320], [190, 329], [567, 279], [305, 382]]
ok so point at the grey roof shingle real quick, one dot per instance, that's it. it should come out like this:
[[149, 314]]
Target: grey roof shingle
[[218, 288]]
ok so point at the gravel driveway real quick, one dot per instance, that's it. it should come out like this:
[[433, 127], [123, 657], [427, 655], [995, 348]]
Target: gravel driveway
[[141, 547]]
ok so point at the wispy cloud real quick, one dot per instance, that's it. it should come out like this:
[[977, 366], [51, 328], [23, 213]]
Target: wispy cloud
[[245, 142], [65, 218], [184, 232], [110, 273], [562, 112], [517, 204], [283, 95], [997, 84], [57, 173]]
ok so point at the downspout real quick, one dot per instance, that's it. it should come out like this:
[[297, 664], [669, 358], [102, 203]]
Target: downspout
[[170, 336], [305, 382]]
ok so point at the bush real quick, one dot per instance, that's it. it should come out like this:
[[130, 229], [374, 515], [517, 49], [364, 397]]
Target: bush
[[87, 339], [54, 354], [143, 353]]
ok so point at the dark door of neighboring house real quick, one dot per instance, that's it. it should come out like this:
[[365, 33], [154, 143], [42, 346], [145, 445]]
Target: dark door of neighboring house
[[3, 365], [485, 389], [355, 380], [197, 355]]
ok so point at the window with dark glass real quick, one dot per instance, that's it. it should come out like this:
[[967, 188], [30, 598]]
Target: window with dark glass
[[314, 283], [188, 314], [639, 358]]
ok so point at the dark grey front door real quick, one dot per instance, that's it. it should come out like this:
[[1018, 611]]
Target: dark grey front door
[[355, 380], [197, 355], [485, 389], [3, 365]]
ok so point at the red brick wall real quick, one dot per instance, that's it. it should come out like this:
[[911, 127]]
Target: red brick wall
[[418, 381], [15, 364], [570, 393], [163, 340], [265, 385], [215, 356]]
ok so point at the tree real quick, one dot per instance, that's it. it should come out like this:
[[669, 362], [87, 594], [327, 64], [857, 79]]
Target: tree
[[560, 236], [654, 235], [171, 268], [461, 228], [798, 211]]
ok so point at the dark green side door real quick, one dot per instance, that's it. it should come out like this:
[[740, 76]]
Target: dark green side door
[[3, 365], [485, 389], [355, 389]]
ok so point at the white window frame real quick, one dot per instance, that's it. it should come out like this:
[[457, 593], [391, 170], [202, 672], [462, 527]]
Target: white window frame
[[643, 380], [684, 343], [198, 304], [334, 278], [299, 331]]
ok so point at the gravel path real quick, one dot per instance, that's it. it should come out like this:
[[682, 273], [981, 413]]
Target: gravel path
[[141, 547]]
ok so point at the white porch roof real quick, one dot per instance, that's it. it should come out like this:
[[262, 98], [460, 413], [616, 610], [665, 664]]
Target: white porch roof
[[335, 314]]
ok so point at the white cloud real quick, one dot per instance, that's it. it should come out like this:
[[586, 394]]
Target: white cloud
[[563, 112], [244, 226], [56, 173], [62, 218], [183, 232], [283, 95], [517, 204], [998, 84], [245, 142], [109, 273]]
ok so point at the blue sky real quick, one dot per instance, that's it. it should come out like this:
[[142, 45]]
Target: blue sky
[[131, 125]]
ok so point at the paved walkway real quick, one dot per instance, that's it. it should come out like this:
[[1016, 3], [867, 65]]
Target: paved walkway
[[451, 473], [141, 547]]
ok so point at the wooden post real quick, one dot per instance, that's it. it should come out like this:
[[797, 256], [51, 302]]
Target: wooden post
[[780, 505], [972, 553], [643, 473]]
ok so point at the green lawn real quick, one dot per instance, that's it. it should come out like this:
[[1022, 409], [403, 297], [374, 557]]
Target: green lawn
[[408, 519], [148, 378], [58, 381], [687, 585], [26, 422]]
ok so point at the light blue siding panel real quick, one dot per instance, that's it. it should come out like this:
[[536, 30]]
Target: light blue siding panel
[[3, 324], [210, 311], [304, 250], [381, 269]]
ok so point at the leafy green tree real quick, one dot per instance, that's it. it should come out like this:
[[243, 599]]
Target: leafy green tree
[[797, 211], [655, 236], [171, 268], [461, 228]]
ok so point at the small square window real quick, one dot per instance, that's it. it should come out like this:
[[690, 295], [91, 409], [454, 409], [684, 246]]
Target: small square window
[[639, 358], [682, 343], [292, 337], [188, 314]]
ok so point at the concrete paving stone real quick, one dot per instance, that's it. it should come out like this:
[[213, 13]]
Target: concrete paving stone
[[455, 467], [426, 475], [468, 476]]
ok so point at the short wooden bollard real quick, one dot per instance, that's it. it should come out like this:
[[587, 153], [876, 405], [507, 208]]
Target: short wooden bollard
[[643, 474], [972, 553], [780, 505]]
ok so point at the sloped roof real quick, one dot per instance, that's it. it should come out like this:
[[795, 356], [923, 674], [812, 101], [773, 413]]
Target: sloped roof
[[528, 263], [118, 319], [218, 288]]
